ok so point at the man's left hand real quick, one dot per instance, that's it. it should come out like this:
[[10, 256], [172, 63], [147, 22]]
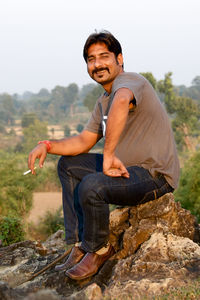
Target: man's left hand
[[112, 166]]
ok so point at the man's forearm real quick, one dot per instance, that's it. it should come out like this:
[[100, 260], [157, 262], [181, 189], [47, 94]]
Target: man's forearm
[[67, 146], [70, 146], [74, 145]]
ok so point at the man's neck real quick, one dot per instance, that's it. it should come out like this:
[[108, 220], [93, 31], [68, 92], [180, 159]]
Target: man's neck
[[108, 86]]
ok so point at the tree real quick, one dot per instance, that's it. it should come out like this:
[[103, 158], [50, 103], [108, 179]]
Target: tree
[[67, 130], [166, 87], [43, 93], [86, 89], [92, 97], [79, 127], [2, 128], [28, 119], [63, 99], [33, 133], [16, 189], [196, 81], [149, 76], [188, 192], [7, 109], [185, 114]]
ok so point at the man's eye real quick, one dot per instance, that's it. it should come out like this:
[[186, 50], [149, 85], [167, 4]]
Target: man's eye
[[91, 59]]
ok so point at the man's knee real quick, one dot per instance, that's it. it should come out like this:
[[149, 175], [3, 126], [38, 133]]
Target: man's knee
[[61, 164], [65, 163], [89, 188]]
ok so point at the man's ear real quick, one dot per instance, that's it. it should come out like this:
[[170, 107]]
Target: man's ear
[[120, 59]]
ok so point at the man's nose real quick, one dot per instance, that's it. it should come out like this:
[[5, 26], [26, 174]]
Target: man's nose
[[98, 63]]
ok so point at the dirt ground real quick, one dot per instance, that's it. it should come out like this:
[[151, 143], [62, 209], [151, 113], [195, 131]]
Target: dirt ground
[[43, 202]]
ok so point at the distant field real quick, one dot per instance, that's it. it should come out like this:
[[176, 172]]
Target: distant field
[[54, 131], [43, 202]]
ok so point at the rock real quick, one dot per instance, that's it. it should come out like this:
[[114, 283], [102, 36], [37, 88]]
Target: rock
[[7, 293], [56, 240], [92, 292], [136, 224], [162, 262], [43, 295], [156, 249]]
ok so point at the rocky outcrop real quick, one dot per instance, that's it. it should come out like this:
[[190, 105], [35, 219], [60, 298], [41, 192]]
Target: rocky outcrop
[[164, 261], [131, 227], [156, 247]]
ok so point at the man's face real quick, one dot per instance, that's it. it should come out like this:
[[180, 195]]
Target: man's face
[[102, 64]]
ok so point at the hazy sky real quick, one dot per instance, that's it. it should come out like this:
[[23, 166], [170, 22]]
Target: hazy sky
[[41, 41]]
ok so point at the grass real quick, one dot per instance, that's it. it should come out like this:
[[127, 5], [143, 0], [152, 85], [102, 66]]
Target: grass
[[189, 292]]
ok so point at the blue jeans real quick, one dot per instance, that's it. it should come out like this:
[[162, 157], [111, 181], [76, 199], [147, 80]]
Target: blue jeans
[[87, 193]]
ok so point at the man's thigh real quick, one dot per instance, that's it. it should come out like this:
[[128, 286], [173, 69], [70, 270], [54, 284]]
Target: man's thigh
[[81, 165], [140, 187]]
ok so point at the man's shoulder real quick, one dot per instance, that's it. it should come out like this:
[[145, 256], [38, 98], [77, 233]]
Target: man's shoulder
[[130, 76], [131, 80]]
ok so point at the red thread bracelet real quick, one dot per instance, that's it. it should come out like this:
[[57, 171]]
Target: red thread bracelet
[[47, 143]]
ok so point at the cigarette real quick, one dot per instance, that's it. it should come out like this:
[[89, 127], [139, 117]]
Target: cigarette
[[29, 171]]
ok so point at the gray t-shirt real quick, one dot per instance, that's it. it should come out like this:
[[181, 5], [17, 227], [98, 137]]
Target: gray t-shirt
[[147, 139]]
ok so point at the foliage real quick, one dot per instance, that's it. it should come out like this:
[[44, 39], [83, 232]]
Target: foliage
[[28, 119], [188, 192], [11, 230], [166, 87], [191, 91], [51, 222], [33, 133], [92, 97], [7, 109], [196, 81], [185, 114], [86, 89], [16, 189], [149, 76], [79, 127], [67, 130], [186, 122], [187, 292], [61, 101], [2, 128]]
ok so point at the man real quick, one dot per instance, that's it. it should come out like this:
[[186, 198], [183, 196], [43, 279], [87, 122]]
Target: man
[[139, 161]]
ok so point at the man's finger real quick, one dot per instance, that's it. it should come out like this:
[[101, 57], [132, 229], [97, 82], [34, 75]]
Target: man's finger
[[42, 159], [124, 171], [126, 175], [31, 162]]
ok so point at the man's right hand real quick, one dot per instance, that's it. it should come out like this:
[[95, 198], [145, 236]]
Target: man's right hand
[[39, 152]]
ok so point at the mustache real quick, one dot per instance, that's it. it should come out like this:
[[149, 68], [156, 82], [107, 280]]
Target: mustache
[[100, 69]]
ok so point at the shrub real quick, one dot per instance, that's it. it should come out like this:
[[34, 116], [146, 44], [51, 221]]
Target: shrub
[[79, 127], [11, 230], [188, 192], [51, 222]]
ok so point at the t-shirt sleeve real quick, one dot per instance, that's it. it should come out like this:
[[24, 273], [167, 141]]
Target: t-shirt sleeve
[[94, 123], [133, 82]]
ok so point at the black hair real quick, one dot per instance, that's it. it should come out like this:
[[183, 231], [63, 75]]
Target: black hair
[[105, 37]]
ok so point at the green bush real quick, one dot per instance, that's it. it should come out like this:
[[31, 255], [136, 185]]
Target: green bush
[[79, 127], [51, 222], [11, 230], [188, 192]]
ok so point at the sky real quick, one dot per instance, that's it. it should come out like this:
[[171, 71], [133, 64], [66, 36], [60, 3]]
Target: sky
[[41, 41]]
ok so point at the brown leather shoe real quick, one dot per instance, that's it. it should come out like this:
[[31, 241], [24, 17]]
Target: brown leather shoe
[[75, 256], [89, 265]]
